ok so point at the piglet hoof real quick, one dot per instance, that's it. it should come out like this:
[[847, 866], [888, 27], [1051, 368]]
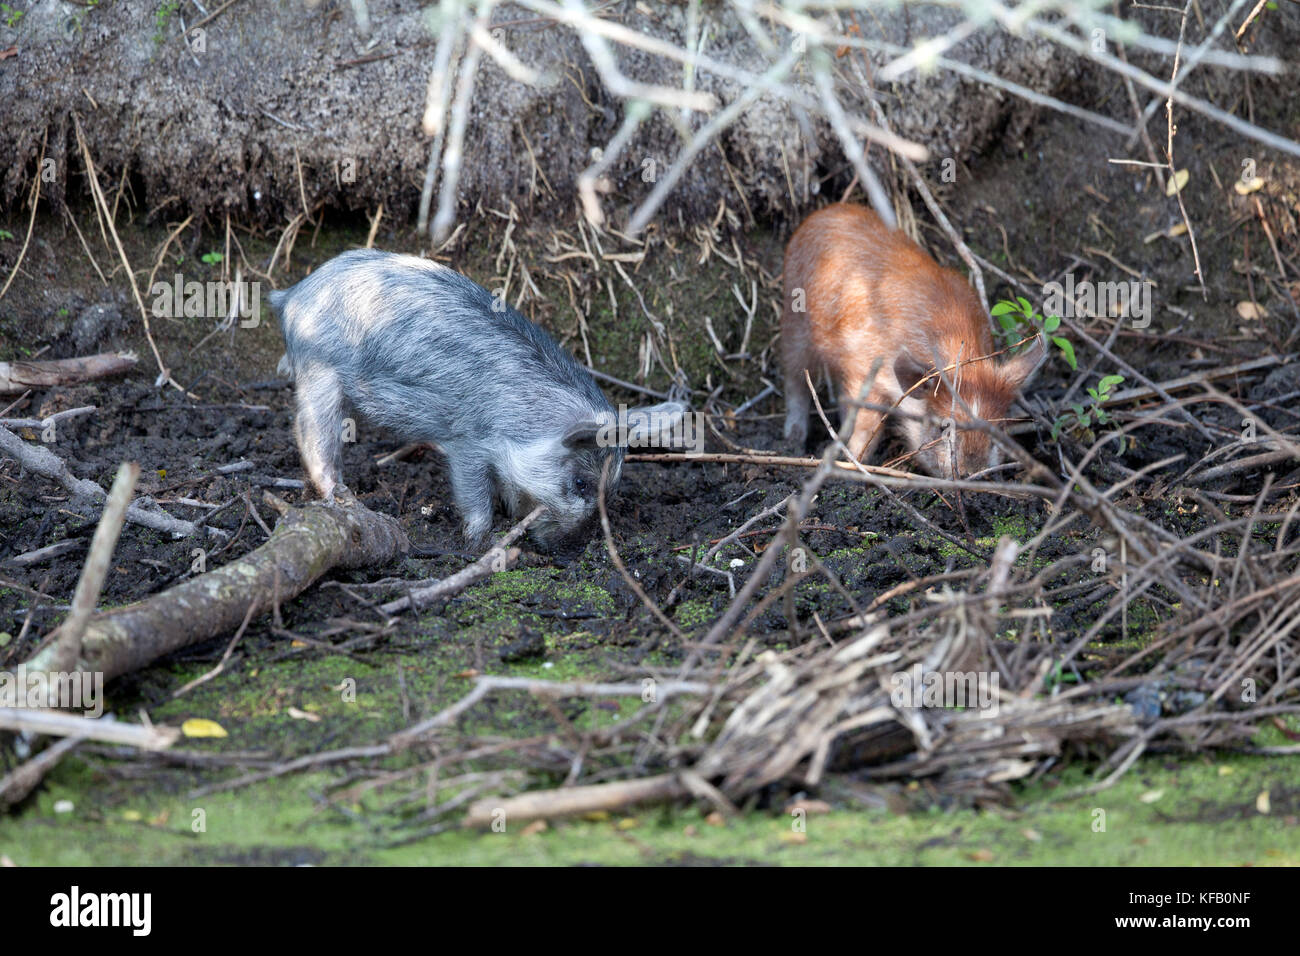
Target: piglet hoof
[[478, 538], [341, 495]]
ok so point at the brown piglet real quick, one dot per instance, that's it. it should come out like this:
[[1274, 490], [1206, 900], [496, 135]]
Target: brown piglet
[[861, 296]]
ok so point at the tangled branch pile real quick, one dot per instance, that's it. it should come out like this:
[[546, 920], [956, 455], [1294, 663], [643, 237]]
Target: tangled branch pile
[[731, 725]]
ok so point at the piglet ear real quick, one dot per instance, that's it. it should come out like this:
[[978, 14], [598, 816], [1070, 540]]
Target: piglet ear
[[1020, 369], [586, 433], [653, 426], [908, 371]]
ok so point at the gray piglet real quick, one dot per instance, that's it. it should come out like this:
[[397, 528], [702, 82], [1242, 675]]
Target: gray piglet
[[429, 354]]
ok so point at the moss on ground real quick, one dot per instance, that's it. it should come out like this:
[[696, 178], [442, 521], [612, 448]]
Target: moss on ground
[[1163, 813]]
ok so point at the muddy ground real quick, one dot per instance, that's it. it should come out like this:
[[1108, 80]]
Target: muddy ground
[[1035, 208]]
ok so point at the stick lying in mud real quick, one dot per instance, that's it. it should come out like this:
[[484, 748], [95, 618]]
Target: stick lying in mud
[[17, 377], [86, 495], [549, 804], [22, 780], [48, 420], [91, 583], [56, 724], [500, 557]]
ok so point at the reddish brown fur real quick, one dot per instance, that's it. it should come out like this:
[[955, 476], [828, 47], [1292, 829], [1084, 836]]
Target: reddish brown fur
[[872, 295]]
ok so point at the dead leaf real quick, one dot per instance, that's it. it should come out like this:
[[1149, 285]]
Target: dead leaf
[[1262, 802], [1173, 232], [1151, 796], [537, 826], [1177, 182], [1251, 310], [1245, 187], [202, 727], [297, 714], [981, 856]]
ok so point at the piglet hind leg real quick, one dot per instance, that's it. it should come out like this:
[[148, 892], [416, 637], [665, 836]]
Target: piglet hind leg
[[796, 358], [318, 427], [797, 406]]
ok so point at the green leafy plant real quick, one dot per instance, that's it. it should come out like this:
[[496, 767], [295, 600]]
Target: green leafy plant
[[1081, 416], [1057, 677], [11, 16], [1019, 319], [212, 258], [5, 234], [162, 16]]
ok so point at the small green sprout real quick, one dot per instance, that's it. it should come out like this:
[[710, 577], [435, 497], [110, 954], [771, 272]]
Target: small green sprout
[[1019, 319], [1081, 416]]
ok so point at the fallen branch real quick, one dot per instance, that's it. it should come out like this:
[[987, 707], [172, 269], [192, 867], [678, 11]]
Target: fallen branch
[[305, 544], [48, 420], [1242, 464], [56, 724], [93, 572], [16, 377], [549, 804], [499, 558], [47, 553], [86, 495], [15, 785], [1198, 378]]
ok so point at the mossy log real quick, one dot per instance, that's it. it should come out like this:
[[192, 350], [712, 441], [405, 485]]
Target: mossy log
[[305, 544]]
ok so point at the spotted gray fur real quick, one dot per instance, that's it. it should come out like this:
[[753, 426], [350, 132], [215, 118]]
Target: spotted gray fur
[[429, 354]]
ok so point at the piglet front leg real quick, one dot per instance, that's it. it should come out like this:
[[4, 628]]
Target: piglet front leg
[[473, 489]]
